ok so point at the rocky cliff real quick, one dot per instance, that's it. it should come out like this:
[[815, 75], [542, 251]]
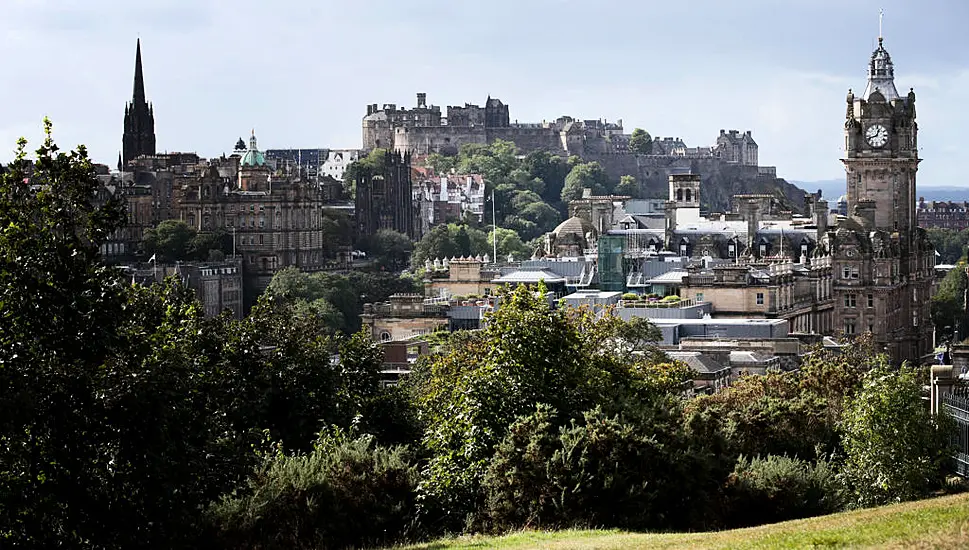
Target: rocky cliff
[[719, 180]]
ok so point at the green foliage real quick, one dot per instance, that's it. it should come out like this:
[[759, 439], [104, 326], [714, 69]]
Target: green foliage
[[641, 142], [373, 164], [174, 240], [337, 231], [470, 393], [337, 299], [389, 249], [895, 449], [602, 470], [585, 175], [449, 241], [950, 243], [949, 304], [509, 243], [630, 187], [778, 488], [345, 493], [791, 414], [527, 189]]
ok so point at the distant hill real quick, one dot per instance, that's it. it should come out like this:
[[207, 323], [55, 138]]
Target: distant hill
[[832, 189]]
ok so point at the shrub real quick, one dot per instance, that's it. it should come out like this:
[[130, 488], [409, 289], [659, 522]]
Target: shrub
[[778, 488], [630, 296], [603, 471], [344, 493], [671, 298], [895, 449]]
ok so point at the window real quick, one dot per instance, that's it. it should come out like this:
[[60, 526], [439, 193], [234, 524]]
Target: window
[[850, 272], [849, 300], [763, 250], [915, 319], [871, 300], [760, 298], [849, 326], [699, 296], [871, 328]]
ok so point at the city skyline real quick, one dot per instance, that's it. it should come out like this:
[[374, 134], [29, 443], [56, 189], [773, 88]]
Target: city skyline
[[302, 74]]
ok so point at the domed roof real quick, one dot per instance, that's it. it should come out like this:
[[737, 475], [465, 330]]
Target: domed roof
[[574, 226], [253, 156], [881, 75]]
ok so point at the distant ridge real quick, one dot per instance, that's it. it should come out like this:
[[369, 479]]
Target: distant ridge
[[832, 189]]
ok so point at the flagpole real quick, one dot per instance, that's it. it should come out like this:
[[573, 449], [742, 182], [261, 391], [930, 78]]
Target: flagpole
[[494, 222]]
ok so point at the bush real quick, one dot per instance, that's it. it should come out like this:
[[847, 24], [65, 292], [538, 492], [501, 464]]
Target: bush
[[778, 488], [671, 298], [630, 296], [345, 493], [602, 471], [896, 450]]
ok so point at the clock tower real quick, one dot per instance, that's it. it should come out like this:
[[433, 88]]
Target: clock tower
[[881, 153], [884, 263]]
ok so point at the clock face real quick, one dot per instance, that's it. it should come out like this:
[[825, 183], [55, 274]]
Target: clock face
[[876, 135]]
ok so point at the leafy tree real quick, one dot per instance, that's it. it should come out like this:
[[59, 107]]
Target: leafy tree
[[895, 449], [348, 492], [448, 241], [509, 243], [373, 164], [202, 245], [337, 231], [949, 243], [442, 164], [641, 142], [949, 304], [390, 249], [529, 353], [171, 240], [582, 176], [630, 187]]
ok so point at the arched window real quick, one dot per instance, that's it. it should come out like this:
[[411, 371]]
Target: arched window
[[679, 194], [689, 195]]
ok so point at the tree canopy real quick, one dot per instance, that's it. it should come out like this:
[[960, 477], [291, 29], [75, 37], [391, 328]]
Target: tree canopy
[[641, 142]]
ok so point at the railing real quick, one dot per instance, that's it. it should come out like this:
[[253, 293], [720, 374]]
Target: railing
[[957, 406], [658, 304]]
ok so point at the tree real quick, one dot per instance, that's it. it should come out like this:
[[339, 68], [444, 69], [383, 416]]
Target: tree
[[390, 249], [449, 241], [529, 353], [589, 175], [170, 240], [630, 187], [509, 243], [949, 304], [641, 142], [337, 231], [895, 448], [373, 164]]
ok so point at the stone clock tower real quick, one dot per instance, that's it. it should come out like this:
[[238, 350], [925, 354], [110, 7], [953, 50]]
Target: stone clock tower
[[884, 262]]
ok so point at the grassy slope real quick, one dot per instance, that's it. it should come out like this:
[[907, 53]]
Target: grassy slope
[[935, 523]]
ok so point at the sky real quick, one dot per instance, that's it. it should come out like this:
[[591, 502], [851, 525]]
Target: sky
[[301, 72]]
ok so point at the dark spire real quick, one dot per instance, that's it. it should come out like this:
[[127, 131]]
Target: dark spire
[[139, 118], [139, 93]]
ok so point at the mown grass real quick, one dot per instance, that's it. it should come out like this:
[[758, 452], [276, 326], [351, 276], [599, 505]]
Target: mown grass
[[935, 523]]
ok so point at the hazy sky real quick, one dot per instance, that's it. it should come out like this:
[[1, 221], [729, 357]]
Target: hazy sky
[[301, 72]]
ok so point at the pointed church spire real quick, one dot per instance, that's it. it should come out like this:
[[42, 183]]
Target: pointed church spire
[[139, 92], [139, 118]]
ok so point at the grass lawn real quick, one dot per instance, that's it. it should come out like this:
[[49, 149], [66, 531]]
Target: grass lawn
[[935, 523]]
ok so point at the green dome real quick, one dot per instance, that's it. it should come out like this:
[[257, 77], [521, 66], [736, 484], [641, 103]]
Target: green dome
[[253, 157]]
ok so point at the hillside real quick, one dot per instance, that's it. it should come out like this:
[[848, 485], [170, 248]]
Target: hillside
[[935, 523]]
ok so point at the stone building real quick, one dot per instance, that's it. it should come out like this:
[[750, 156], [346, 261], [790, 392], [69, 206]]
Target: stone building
[[139, 120], [275, 221], [943, 214], [386, 201], [884, 263], [736, 148], [450, 198]]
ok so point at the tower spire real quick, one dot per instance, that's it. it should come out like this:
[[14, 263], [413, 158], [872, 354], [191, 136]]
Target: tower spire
[[881, 15], [139, 92]]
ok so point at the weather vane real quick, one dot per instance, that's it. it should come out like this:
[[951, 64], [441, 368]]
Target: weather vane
[[881, 15]]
